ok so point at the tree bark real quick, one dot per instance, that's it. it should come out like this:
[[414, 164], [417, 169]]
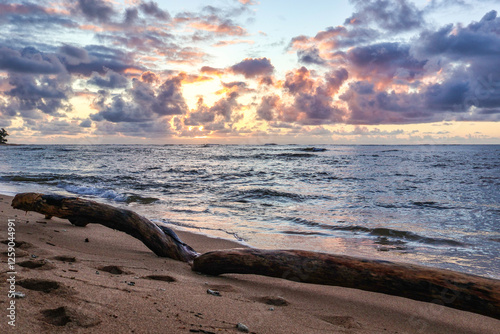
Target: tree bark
[[161, 240], [457, 290]]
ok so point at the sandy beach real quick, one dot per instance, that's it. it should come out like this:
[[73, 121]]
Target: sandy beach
[[96, 280]]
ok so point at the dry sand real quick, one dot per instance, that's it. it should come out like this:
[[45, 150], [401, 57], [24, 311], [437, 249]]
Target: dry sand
[[114, 284]]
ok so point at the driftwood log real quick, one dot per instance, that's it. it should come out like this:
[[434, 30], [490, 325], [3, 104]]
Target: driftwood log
[[161, 240], [457, 290]]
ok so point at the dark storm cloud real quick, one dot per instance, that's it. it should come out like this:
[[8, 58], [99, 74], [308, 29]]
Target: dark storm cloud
[[298, 81], [86, 123], [28, 15], [29, 60], [252, 67], [368, 106], [312, 98], [101, 59], [141, 103], [169, 100], [150, 129], [225, 106], [448, 96], [201, 116], [478, 39], [388, 60], [475, 78], [151, 8], [95, 10], [131, 16], [395, 16], [110, 80], [310, 56], [145, 41], [217, 117], [42, 93], [318, 108], [74, 52], [335, 79], [267, 107]]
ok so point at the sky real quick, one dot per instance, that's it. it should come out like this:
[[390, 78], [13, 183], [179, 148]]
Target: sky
[[250, 71]]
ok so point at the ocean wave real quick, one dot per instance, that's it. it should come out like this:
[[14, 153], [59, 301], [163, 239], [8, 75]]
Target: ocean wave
[[107, 194], [264, 193], [93, 191], [383, 234], [401, 235], [432, 205], [42, 179], [312, 149], [296, 155], [30, 148]]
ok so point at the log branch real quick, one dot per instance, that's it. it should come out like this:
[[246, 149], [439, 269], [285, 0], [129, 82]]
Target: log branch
[[457, 290], [161, 240]]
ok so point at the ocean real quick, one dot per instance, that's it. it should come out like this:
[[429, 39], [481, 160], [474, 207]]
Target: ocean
[[432, 205]]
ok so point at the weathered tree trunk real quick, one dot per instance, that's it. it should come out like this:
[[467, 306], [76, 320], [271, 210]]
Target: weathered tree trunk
[[161, 240], [457, 290]]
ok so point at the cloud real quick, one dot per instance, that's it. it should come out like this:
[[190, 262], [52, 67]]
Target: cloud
[[86, 123], [232, 42], [147, 129], [151, 8], [364, 131], [395, 16], [267, 107], [201, 116], [310, 56], [74, 55], [312, 98], [149, 77], [27, 15], [299, 81], [29, 60], [95, 10], [56, 127], [31, 93], [386, 61], [141, 103], [218, 21], [100, 59], [110, 80]]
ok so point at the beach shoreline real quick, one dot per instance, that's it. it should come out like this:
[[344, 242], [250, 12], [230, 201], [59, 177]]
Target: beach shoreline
[[95, 279]]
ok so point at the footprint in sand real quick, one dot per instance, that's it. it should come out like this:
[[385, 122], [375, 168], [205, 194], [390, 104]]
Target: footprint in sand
[[65, 258], [341, 321], [66, 316], [273, 300], [18, 244], [42, 285], [36, 264], [163, 278], [115, 270]]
